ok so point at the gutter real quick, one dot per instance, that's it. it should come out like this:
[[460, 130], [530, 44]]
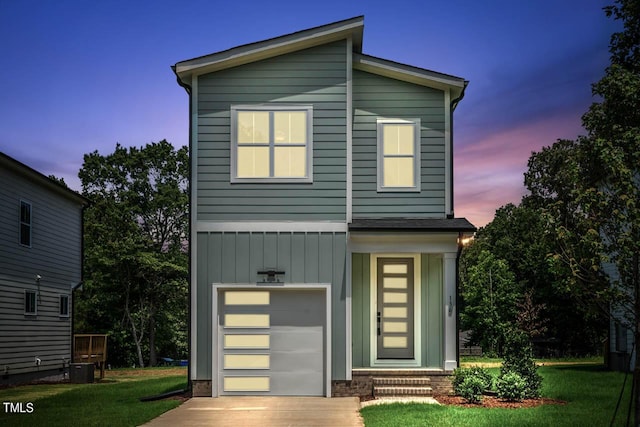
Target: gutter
[[188, 89], [454, 103]]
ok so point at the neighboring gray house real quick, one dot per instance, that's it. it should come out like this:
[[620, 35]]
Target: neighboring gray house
[[621, 352], [324, 245], [40, 264]]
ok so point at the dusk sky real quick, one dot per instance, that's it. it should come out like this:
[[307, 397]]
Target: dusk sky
[[79, 76]]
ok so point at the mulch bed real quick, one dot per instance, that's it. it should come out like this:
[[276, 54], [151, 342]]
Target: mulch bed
[[495, 402]]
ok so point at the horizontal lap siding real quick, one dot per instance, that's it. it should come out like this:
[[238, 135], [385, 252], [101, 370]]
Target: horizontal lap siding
[[237, 257], [46, 335], [55, 234], [55, 255], [380, 97], [315, 76]]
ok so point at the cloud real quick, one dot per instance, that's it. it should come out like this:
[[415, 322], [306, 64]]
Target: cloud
[[489, 173]]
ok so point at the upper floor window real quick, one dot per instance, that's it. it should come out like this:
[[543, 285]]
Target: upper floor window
[[25, 223], [64, 305], [271, 143], [30, 305], [398, 155]]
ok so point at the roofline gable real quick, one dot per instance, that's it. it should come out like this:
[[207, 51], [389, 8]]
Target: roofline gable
[[409, 73], [264, 49]]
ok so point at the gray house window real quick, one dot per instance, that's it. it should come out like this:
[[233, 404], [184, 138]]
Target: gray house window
[[398, 154], [30, 305], [25, 223], [64, 305], [271, 143], [621, 338]]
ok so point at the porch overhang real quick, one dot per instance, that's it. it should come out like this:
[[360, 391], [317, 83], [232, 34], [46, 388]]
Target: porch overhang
[[412, 225]]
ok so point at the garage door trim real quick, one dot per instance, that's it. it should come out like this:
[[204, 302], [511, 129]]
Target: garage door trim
[[218, 287]]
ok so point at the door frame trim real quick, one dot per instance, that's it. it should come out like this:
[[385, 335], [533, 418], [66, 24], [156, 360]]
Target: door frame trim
[[417, 312], [215, 339]]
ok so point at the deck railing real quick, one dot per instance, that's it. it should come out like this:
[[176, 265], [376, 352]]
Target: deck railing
[[90, 348]]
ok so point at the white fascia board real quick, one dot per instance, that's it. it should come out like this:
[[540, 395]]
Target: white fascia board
[[272, 226], [408, 73], [269, 48]]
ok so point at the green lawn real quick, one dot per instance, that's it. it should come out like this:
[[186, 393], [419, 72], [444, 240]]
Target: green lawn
[[591, 393], [111, 402]]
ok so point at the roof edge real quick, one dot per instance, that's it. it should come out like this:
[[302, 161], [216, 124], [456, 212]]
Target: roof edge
[[409, 73], [21, 168], [274, 46], [413, 225]]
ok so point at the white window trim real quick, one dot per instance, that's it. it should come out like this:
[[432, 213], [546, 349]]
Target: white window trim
[[20, 223], [271, 108], [417, 177], [60, 305], [35, 307]]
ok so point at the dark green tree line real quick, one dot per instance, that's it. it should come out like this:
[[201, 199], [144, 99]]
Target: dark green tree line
[[135, 264]]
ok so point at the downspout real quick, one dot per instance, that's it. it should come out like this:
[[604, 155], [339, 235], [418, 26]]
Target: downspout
[[188, 88], [78, 285], [454, 104]]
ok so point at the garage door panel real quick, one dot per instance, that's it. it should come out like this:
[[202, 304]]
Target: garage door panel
[[272, 344], [298, 361], [290, 338], [297, 384]]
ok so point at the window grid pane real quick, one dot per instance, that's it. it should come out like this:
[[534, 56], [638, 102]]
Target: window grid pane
[[398, 139], [253, 127], [25, 224], [398, 172], [253, 162], [30, 302], [290, 162], [290, 127], [64, 305]]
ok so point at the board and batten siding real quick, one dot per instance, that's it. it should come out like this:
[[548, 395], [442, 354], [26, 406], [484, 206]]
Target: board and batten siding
[[314, 76], [236, 257], [431, 303], [376, 97], [55, 255]]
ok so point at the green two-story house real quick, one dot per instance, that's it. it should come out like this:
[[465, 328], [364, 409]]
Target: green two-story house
[[324, 245]]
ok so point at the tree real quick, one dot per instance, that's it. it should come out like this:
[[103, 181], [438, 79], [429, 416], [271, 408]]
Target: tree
[[135, 247], [518, 235], [490, 295], [591, 186]]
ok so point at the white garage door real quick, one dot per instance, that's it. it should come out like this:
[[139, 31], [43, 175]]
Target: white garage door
[[271, 342]]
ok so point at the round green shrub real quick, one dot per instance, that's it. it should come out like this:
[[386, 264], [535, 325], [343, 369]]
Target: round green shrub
[[471, 389], [511, 386], [460, 374]]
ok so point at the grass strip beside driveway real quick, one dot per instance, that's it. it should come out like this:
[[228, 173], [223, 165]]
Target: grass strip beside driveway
[[112, 402]]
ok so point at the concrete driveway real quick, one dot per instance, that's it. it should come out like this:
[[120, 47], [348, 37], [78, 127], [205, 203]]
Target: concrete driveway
[[263, 412]]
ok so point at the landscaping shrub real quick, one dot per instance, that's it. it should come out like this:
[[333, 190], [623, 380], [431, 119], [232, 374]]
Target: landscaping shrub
[[511, 386], [518, 358], [470, 383], [471, 389], [460, 374]]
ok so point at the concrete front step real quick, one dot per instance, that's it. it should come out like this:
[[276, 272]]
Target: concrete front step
[[404, 381], [398, 391]]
